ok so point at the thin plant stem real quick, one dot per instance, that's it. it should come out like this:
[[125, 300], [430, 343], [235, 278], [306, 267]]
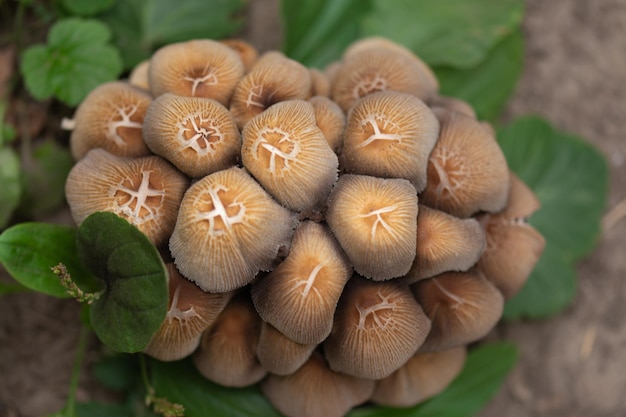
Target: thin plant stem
[[70, 407], [160, 405]]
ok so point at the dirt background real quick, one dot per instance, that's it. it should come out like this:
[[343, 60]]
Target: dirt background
[[572, 365]]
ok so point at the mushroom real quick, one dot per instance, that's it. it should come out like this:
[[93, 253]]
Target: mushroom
[[316, 391], [111, 118], [452, 104], [246, 51], [227, 352], [299, 297], [196, 68], [145, 191], [378, 327], [390, 135], [462, 306], [320, 84], [330, 119], [139, 75], [191, 311], [288, 154], [279, 354], [228, 229], [198, 135], [423, 376], [375, 221]]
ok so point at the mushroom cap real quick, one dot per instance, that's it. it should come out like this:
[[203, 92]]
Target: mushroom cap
[[138, 76], [330, 119], [320, 83], [314, 390], [198, 135], [378, 327], [467, 171], [196, 68], [191, 311], [228, 229], [423, 376], [522, 202], [145, 191], [375, 221], [247, 52], [452, 104], [288, 154], [111, 118], [279, 354], [227, 352], [390, 135], [462, 306], [300, 296]]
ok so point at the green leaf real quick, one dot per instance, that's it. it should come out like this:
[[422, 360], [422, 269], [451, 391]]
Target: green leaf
[[134, 302], [87, 8], [488, 85], [483, 374], [570, 178], [456, 33], [11, 288], [119, 372], [95, 409], [76, 59], [139, 26], [11, 189], [317, 31], [29, 250]]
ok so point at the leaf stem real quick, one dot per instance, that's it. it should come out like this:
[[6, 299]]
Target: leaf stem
[[160, 405], [72, 288], [76, 368]]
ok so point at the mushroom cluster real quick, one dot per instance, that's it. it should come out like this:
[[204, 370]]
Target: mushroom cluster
[[339, 236]]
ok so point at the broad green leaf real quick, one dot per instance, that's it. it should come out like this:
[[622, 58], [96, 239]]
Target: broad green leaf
[[10, 184], [119, 372], [11, 288], [93, 409], [141, 26], [488, 85], [134, 302], [29, 250], [456, 33], [317, 31], [76, 59], [87, 8], [482, 376], [570, 178]]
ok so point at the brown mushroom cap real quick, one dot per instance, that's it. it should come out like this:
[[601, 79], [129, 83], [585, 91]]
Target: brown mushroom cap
[[228, 229], [227, 353], [299, 297], [138, 77], [390, 135], [198, 135], [453, 104], [462, 306], [145, 191], [279, 354], [247, 52], [196, 68], [378, 327], [330, 119], [320, 83], [316, 391], [423, 376], [111, 118], [375, 220], [191, 311]]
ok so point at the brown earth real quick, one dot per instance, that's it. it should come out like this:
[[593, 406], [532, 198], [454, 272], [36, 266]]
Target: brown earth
[[572, 365]]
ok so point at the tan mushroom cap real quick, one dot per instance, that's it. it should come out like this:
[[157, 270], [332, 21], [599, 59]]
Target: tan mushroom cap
[[111, 118], [274, 78], [423, 376], [198, 135], [300, 296], [227, 352], [191, 311], [330, 119], [378, 327], [138, 77], [288, 154], [247, 52], [390, 135], [196, 68], [320, 83], [462, 306], [445, 243], [279, 354], [145, 191], [375, 221], [467, 171], [228, 229], [316, 391], [453, 104]]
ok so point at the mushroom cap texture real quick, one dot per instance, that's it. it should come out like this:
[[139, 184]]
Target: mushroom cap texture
[[279, 354], [330, 119], [228, 229], [247, 52], [138, 76]]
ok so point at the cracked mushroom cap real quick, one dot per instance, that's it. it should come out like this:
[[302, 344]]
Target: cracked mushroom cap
[[145, 191], [191, 311], [375, 221], [279, 354], [462, 307], [111, 118], [330, 119], [228, 229], [378, 327], [315, 390], [300, 296], [198, 135], [390, 135]]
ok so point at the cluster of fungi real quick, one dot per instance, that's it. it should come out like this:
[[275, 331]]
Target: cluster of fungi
[[339, 236]]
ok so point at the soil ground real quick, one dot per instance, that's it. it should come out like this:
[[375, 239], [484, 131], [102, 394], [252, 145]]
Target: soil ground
[[572, 365]]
